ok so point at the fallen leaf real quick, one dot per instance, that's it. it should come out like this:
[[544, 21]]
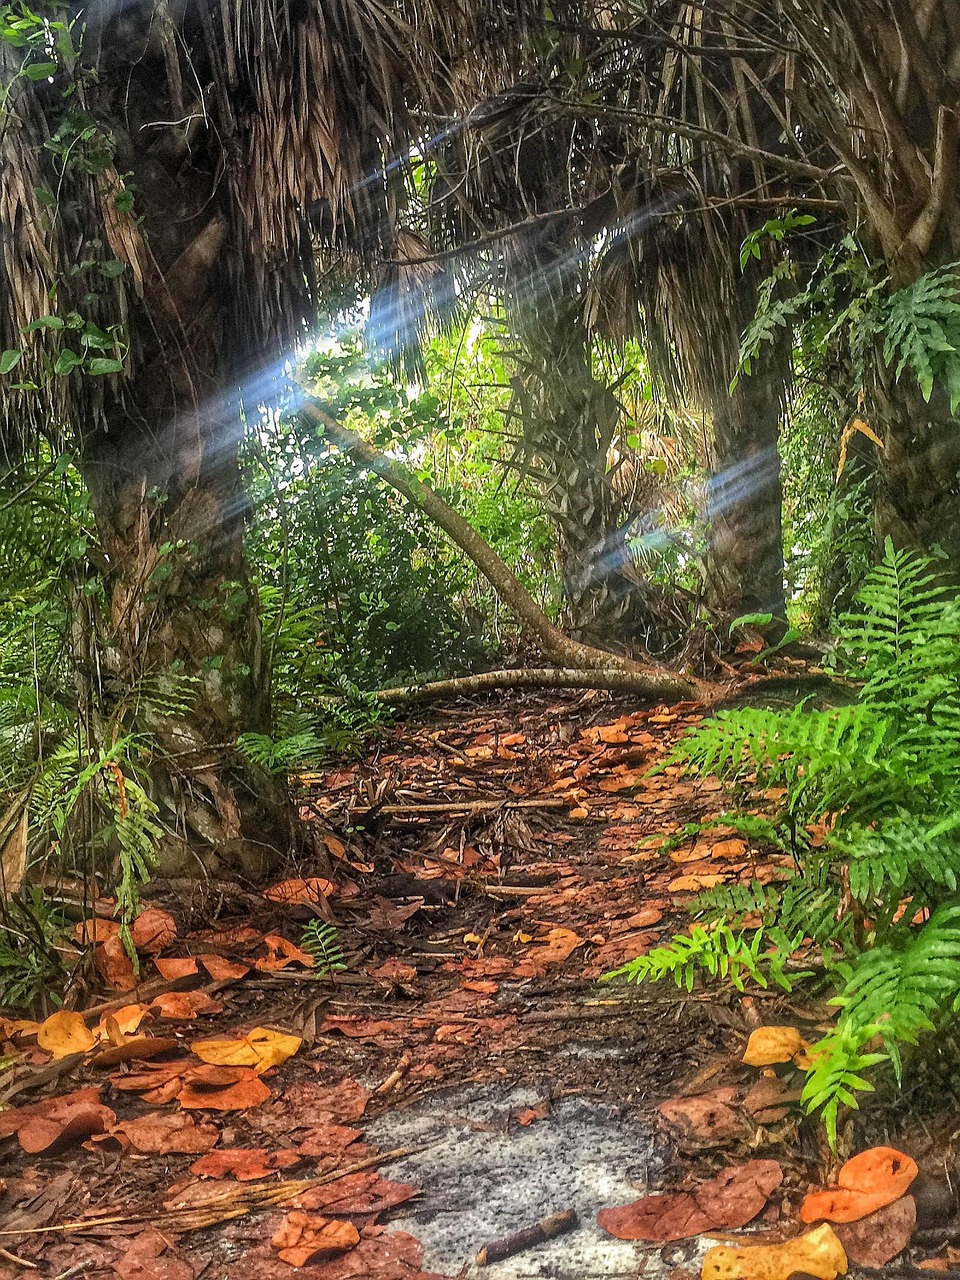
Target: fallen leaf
[[126, 1020], [131, 1049], [282, 953], [153, 930], [731, 1199], [259, 1048], [222, 1089], [356, 1194], [693, 884], [529, 1115], [114, 965], [553, 949], [183, 1006], [316, 1104], [705, 1119], [170, 1133], [729, 850], [150, 1258], [63, 1125], [327, 1140], [867, 1182], [244, 1163], [875, 1240], [819, 1254], [174, 967], [769, 1100], [307, 892], [302, 1236], [768, 1046], [64, 1033], [95, 930], [393, 971], [223, 970]]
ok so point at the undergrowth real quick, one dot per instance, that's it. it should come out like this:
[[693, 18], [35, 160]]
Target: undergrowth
[[870, 812]]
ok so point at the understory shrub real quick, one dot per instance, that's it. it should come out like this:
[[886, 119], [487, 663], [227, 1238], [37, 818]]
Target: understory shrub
[[870, 813]]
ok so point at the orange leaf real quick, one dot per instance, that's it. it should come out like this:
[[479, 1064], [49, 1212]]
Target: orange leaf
[[283, 952], [243, 1163], [554, 949], [170, 1133], [302, 1236], [64, 1033], [222, 1089], [95, 930], [693, 884], [307, 892], [184, 1005], [153, 929], [115, 965], [176, 967], [867, 1182], [222, 970]]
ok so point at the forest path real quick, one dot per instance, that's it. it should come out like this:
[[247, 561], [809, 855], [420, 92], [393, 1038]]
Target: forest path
[[489, 861]]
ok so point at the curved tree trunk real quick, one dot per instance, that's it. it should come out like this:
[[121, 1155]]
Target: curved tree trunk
[[554, 644]]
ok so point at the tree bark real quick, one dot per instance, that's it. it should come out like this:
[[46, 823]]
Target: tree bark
[[554, 644], [745, 501]]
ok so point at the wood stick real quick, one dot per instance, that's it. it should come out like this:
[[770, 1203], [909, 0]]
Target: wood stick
[[554, 1225]]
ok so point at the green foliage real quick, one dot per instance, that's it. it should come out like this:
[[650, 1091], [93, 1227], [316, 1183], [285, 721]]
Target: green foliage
[[721, 953], [320, 940], [880, 779], [921, 331], [31, 969]]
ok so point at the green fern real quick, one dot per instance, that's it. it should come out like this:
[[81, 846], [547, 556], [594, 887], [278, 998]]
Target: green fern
[[921, 326], [320, 940], [718, 951], [885, 772]]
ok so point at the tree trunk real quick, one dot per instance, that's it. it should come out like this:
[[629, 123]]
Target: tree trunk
[[744, 501], [179, 655], [179, 662], [569, 419]]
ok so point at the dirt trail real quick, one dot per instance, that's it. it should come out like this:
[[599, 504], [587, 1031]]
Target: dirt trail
[[490, 860]]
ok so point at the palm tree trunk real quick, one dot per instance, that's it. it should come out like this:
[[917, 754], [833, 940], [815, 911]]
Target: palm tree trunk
[[744, 501]]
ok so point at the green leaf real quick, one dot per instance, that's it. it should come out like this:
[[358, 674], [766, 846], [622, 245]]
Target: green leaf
[[750, 620], [66, 362], [99, 366], [9, 360], [42, 322], [40, 70]]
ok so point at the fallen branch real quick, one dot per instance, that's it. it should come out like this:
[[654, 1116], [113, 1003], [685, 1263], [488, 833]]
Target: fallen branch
[[554, 644], [659, 684], [426, 807], [507, 1247]]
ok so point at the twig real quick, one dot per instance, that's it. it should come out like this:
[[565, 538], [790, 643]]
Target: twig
[[554, 1225], [18, 1262]]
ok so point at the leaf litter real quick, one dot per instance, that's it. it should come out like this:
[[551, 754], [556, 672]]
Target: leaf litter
[[523, 855]]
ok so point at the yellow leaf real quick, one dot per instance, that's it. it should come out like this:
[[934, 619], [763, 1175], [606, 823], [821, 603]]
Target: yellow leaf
[[693, 884], [768, 1045], [260, 1049], [64, 1033], [819, 1253]]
